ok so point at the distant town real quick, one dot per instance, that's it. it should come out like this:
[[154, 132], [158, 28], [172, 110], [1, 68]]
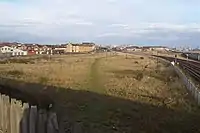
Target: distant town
[[21, 49]]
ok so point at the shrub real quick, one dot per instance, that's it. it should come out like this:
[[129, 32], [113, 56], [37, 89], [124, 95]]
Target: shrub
[[23, 61], [3, 62], [136, 62], [139, 76], [43, 80], [15, 73], [141, 58], [45, 57]]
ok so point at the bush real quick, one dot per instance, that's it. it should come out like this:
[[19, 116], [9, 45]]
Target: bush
[[43, 80], [136, 62], [139, 76], [22, 61], [3, 62], [45, 57], [15, 73], [142, 58]]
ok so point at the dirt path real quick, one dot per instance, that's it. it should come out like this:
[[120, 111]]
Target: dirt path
[[95, 77]]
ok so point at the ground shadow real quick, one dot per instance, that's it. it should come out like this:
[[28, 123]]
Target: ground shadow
[[89, 112]]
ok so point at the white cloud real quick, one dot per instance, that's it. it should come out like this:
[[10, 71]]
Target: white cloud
[[89, 19], [84, 23], [108, 35], [118, 25], [175, 27]]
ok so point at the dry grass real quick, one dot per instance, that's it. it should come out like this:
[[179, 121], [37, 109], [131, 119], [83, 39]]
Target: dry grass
[[132, 93], [70, 71], [143, 80], [131, 77]]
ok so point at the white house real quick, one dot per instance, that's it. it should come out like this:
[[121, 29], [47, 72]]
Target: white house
[[18, 52], [6, 49], [12, 51]]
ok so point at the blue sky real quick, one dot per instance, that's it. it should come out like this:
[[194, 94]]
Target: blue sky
[[150, 22]]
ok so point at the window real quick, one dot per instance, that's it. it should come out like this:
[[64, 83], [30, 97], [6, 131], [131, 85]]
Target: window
[[22, 53], [1, 48], [5, 48], [18, 53], [8, 48]]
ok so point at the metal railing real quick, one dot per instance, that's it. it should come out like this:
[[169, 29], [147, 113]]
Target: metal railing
[[192, 88]]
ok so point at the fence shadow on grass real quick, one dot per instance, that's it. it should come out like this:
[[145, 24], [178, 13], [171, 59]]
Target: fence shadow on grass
[[81, 111]]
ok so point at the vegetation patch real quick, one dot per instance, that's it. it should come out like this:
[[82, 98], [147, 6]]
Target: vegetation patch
[[20, 61], [137, 74], [43, 80], [141, 58], [113, 95], [16, 73]]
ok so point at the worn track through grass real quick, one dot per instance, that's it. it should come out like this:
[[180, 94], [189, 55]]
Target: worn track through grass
[[95, 77]]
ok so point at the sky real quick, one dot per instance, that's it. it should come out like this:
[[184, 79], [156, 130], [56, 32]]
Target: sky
[[142, 22]]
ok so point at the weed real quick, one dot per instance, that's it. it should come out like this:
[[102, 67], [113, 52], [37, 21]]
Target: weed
[[136, 62], [21, 61], [15, 73], [3, 62], [139, 76], [43, 80], [45, 57]]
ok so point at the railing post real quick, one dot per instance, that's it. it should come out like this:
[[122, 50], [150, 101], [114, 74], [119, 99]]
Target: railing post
[[198, 98]]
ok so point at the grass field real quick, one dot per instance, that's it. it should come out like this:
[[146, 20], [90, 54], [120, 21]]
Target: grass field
[[109, 93]]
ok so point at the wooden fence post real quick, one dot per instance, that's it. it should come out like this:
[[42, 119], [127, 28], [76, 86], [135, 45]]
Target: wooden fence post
[[19, 115], [13, 124], [7, 114], [1, 113], [52, 123], [42, 120], [33, 119], [25, 118]]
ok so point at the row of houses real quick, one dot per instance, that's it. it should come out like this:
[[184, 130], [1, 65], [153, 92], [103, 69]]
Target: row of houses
[[146, 48], [17, 49]]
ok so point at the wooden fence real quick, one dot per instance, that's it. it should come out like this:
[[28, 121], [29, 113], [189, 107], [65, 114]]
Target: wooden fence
[[19, 116]]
